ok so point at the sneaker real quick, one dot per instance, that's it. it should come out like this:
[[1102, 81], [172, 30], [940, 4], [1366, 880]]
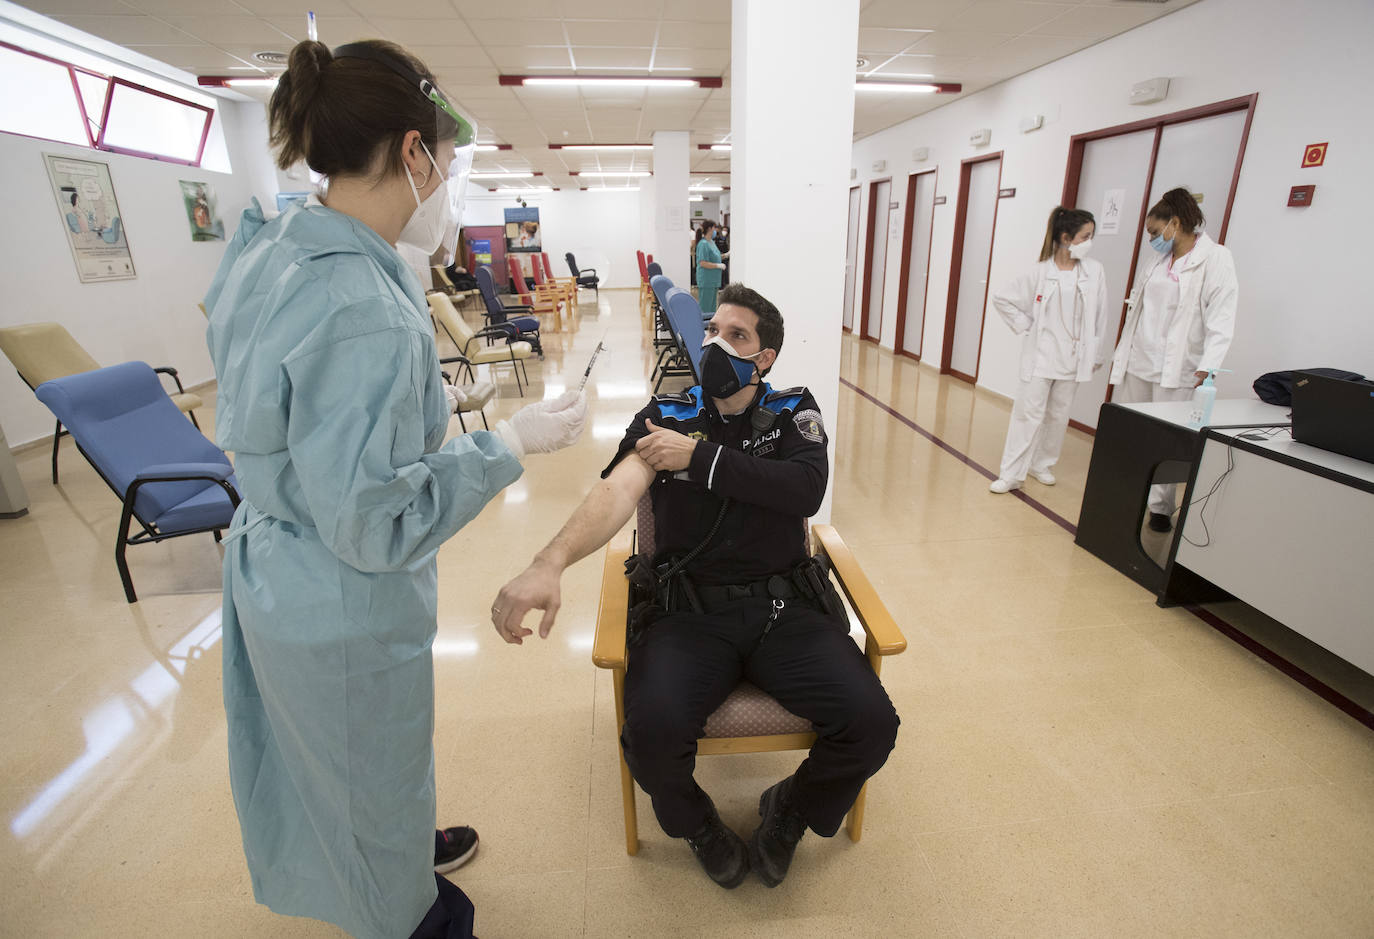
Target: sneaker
[[1044, 477], [721, 852], [1004, 485], [1160, 522], [453, 847], [773, 843]]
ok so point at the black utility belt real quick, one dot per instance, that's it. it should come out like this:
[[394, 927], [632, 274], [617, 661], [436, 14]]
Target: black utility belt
[[771, 588]]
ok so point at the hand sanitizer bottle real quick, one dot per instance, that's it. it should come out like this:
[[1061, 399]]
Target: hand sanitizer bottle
[[1200, 414]]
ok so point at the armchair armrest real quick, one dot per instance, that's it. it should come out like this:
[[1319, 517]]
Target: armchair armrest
[[608, 645], [165, 472], [583, 271], [460, 359], [884, 636], [168, 370], [497, 332]]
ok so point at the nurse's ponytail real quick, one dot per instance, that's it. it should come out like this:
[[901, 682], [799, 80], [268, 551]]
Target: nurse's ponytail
[[1063, 222], [336, 113], [1180, 204]]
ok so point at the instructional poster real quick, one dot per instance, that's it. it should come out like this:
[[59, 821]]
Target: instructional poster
[[201, 212], [522, 231], [1109, 222], [89, 214]]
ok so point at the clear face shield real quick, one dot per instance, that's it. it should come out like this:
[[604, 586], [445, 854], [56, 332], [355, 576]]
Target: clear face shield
[[461, 130]]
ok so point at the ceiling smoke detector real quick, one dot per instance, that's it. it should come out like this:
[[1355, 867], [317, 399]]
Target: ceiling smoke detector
[[272, 58]]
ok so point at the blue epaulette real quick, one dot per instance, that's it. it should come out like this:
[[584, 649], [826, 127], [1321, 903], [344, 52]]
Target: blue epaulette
[[682, 405], [784, 399]]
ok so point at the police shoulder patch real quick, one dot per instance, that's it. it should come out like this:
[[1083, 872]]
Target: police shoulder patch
[[809, 425]]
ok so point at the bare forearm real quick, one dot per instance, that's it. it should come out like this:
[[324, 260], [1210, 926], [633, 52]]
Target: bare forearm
[[602, 513]]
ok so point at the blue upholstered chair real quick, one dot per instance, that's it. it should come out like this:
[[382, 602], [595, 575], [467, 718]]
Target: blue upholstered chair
[[509, 318], [172, 480]]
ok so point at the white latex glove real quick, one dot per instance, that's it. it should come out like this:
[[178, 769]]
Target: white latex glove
[[545, 426], [455, 395]]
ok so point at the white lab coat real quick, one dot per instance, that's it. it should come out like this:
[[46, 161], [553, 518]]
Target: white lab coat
[[1023, 304], [1204, 324]]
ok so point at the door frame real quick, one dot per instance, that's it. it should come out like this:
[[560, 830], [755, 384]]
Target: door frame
[[906, 262], [1073, 171], [956, 264], [859, 189], [868, 251]]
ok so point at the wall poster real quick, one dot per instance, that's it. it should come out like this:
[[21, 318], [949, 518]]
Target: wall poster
[[1109, 222], [206, 224], [89, 214], [522, 231]]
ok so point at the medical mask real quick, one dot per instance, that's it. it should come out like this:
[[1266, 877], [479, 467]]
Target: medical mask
[[431, 219], [1160, 245], [1080, 251], [723, 370]]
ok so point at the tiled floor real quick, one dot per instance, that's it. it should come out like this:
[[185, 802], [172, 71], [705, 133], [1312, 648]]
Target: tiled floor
[[1073, 760]]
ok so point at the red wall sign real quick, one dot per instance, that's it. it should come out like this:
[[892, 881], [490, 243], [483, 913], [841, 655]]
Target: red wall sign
[[1314, 155]]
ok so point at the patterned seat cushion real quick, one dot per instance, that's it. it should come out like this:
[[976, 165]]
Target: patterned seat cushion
[[749, 712]]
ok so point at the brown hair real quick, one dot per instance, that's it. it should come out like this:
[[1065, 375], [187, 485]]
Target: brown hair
[[1178, 203], [1063, 222], [702, 229], [769, 325], [337, 113]]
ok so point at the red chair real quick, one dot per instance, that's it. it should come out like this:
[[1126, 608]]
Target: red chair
[[645, 291], [569, 284], [539, 303], [546, 283]]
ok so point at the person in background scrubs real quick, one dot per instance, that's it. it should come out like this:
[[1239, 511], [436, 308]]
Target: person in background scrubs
[[1060, 307], [1180, 319], [331, 399], [709, 267]]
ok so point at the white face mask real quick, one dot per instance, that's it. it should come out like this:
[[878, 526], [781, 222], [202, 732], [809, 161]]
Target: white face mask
[[1080, 251], [431, 219]]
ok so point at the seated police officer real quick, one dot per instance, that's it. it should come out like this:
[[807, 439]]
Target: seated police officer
[[735, 468]]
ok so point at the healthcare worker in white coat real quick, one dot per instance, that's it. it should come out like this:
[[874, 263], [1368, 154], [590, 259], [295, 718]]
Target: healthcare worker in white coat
[[331, 399], [1180, 319], [1060, 308]]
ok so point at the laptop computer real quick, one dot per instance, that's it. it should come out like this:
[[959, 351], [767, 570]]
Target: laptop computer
[[1334, 414]]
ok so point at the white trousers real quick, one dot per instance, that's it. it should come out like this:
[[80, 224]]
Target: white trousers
[[1038, 422], [1133, 390]]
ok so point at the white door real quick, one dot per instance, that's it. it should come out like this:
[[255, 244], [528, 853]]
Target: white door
[[980, 216], [1200, 156], [877, 270], [1112, 181], [922, 214], [851, 252]]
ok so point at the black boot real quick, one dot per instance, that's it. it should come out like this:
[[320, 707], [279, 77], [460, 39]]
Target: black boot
[[721, 852], [772, 844]]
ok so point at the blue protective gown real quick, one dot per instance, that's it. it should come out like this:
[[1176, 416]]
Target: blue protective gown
[[330, 399]]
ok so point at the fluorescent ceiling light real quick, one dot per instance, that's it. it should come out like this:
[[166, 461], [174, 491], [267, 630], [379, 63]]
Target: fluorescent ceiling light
[[612, 189], [706, 188], [723, 147], [487, 148], [601, 146], [696, 198], [250, 82], [500, 175], [626, 82], [921, 88], [637, 174]]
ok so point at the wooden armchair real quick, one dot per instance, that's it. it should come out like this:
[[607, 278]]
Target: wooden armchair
[[749, 721]]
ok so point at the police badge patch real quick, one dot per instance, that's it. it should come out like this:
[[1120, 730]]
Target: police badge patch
[[809, 425]]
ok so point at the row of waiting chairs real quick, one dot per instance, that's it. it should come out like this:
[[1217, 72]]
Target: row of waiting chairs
[[681, 318]]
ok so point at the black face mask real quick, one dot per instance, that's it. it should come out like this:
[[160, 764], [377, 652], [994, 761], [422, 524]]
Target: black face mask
[[723, 373]]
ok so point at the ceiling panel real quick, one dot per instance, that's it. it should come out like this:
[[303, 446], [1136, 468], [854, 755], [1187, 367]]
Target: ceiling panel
[[613, 58], [888, 41], [333, 31], [206, 59], [609, 10], [324, 9], [130, 29], [423, 31], [611, 32], [699, 11], [953, 43], [1098, 21], [1005, 16], [696, 61], [678, 33], [515, 59], [512, 9], [509, 32], [913, 14]]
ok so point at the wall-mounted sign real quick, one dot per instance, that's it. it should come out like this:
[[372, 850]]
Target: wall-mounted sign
[[1314, 155], [522, 231], [1301, 196], [89, 214], [1109, 222], [940, 200], [200, 210], [1006, 193]]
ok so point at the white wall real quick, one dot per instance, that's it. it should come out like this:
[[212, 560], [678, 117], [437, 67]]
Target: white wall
[[153, 318], [601, 229], [1300, 304]]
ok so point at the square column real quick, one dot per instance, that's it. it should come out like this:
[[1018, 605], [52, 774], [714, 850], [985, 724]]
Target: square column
[[672, 228], [792, 127]]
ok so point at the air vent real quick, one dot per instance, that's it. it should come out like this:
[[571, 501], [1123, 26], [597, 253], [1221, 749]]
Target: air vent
[[272, 58]]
